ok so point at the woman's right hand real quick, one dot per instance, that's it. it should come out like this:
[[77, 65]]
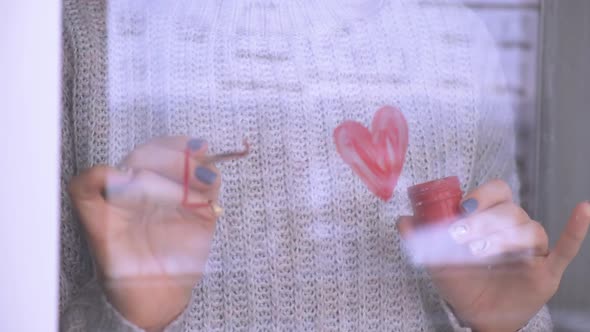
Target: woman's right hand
[[149, 249]]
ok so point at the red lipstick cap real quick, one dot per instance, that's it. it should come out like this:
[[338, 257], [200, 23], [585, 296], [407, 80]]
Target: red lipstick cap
[[436, 201]]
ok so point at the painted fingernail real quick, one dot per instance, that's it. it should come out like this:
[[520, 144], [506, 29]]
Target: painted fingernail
[[459, 231], [205, 175], [195, 143], [478, 247], [469, 206]]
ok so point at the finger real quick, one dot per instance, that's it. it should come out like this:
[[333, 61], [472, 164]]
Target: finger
[[430, 245], [181, 143], [487, 222], [88, 193], [405, 226], [148, 188], [486, 196], [571, 239], [90, 185], [179, 159], [197, 147], [521, 241]]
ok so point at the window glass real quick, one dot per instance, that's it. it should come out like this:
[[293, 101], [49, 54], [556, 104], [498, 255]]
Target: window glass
[[304, 165]]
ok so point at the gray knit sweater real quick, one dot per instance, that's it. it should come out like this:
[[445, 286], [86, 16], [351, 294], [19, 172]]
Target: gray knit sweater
[[303, 244]]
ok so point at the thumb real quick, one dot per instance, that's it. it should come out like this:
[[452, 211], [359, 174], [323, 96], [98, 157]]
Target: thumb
[[92, 184], [405, 226], [571, 239], [88, 191]]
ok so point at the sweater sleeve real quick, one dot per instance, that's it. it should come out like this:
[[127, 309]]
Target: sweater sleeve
[[82, 309], [541, 322]]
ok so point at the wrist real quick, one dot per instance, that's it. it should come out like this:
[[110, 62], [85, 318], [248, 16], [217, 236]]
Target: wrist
[[150, 304], [479, 326]]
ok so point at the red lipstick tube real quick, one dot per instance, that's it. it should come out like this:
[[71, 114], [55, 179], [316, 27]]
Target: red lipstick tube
[[437, 201]]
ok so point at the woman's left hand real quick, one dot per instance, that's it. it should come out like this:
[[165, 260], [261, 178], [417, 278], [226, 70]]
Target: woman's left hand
[[511, 272]]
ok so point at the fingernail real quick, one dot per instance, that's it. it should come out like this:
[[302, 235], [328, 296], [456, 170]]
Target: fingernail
[[469, 206], [195, 143], [458, 231], [205, 175], [478, 247]]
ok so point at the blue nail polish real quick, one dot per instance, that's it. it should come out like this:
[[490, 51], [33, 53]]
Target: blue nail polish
[[469, 206], [195, 144], [205, 175]]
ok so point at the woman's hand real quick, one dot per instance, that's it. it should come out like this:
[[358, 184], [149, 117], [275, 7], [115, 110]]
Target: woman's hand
[[149, 249], [500, 271]]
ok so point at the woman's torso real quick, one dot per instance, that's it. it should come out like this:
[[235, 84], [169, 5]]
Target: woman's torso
[[303, 244]]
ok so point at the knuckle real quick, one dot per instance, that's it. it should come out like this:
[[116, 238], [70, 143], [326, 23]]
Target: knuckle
[[516, 213], [533, 238], [540, 232], [520, 213], [503, 188], [530, 263], [133, 158], [76, 183]]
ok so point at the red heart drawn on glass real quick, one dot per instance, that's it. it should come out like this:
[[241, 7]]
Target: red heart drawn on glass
[[376, 156]]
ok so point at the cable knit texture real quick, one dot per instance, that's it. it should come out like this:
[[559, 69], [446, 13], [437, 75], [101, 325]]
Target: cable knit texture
[[303, 245]]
